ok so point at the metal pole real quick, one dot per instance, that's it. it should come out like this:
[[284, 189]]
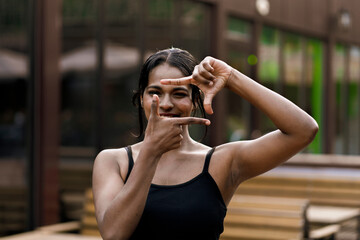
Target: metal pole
[[43, 107]]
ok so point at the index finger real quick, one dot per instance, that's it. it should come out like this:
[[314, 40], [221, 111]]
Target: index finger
[[154, 110], [191, 120], [177, 81]]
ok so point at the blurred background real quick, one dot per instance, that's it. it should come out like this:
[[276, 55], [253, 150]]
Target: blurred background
[[68, 69]]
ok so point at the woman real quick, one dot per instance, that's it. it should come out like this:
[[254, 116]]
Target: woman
[[169, 186]]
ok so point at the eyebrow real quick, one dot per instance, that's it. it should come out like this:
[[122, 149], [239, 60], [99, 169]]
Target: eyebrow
[[175, 89]]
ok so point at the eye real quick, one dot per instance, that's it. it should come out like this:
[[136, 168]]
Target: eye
[[181, 94], [152, 92]]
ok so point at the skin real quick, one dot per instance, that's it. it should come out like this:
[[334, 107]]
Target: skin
[[169, 156]]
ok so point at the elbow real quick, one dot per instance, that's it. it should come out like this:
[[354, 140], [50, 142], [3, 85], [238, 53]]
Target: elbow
[[112, 233], [108, 235], [312, 130]]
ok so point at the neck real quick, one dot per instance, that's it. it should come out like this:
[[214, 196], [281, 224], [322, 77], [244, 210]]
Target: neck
[[187, 140]]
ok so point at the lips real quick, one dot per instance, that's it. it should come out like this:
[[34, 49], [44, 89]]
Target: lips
[[169, 115]]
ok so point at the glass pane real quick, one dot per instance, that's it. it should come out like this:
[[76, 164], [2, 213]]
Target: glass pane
[[183, 24], [314, 89], [293, 67], [269, 57], [78, 68], [194, 29], [269, 65], [239, 109], [14, 77], [122, 60], [238, 30], [354, 100], [339, 75], [238, 35], [160, 9]]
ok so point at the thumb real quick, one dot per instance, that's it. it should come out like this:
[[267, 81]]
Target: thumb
[[155, 106], [207, 103]]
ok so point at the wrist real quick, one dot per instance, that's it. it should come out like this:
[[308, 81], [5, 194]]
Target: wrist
[[149, 147], [230, 78]]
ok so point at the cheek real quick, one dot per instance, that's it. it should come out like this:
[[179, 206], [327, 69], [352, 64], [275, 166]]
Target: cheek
[[147, 106], [185, 105]]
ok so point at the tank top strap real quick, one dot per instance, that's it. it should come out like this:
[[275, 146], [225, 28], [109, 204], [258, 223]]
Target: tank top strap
[[131, 161], [207, 160]]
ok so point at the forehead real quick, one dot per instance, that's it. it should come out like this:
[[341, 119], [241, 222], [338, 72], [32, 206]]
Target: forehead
[[164, 71]]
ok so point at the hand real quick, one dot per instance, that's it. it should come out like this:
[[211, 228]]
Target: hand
[[164, 133], [211, 75]]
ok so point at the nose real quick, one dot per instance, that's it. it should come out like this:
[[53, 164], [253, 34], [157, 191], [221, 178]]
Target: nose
[[166, 103]]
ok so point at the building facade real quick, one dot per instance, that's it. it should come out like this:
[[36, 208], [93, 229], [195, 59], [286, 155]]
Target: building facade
[[68, 69]]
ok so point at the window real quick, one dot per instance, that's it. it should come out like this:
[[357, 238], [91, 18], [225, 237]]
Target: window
[[269, 68], [314, 89], [293, 67], [340, 98], [14, 72], [353, 101], [238, 37], [78, 67]]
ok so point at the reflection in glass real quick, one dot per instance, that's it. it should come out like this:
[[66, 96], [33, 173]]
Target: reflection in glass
[[238, 37], [340, 109], [238, 30], [78, 66], [14, 78], [293, 54], [314, 88], [269, 67], [238, 109], [130, 40], [354, 100]]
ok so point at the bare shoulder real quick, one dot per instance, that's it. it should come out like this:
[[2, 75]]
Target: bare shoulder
[[108, 156], [109, 160]]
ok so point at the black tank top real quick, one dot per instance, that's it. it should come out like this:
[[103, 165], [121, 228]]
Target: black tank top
[[191, 210]]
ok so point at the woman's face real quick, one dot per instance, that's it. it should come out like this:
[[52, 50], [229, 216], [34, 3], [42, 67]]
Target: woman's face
[[175, 101]]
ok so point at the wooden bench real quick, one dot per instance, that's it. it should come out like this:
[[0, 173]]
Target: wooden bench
[[342, 192], [74, 179], [87, 224], [13, 210], [247, 218], [268, 218], [323, 186], [325, 160]]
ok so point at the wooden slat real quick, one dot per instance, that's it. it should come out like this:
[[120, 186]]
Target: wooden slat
[[238, 233], [253, 217], [88, 222], [337, 192], [13, 209], [90, 232], [263, 221]]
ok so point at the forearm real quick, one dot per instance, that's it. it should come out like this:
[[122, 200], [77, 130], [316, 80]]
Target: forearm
[[287, 117], [124, 212]]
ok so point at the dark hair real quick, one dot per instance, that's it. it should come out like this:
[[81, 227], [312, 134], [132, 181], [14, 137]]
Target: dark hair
[[175, 57]]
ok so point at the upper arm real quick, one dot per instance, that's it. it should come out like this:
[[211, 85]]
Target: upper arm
[[107, 180], [254, 157]]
